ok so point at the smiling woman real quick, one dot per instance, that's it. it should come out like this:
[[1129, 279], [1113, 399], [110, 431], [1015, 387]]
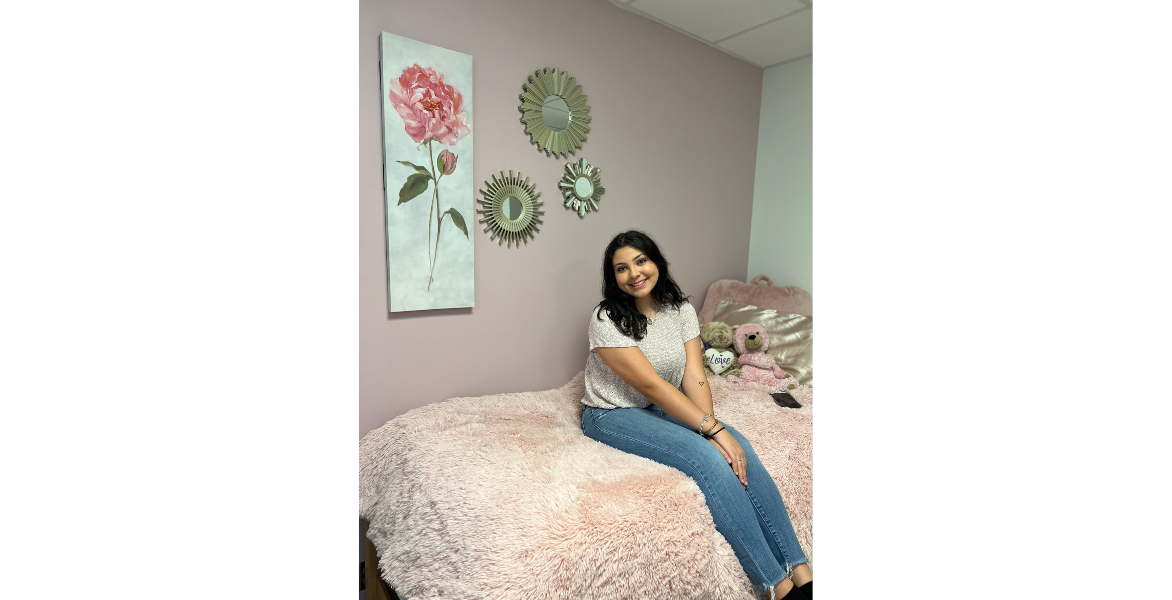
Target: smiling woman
[[632, 294], [647, 394]]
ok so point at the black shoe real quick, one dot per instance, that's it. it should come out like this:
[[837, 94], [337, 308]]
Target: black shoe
[[806, 591]]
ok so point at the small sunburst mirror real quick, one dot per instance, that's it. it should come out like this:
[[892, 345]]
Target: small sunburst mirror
[[511, 209], [555, 113], [582, 187]]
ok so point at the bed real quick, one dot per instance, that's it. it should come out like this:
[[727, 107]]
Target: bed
[[503, 497]]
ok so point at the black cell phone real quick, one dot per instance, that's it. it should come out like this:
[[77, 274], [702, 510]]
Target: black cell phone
[[784, 400]]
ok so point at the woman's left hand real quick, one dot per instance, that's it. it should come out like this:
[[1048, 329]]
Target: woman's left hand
[[728, 459], [732, 452]]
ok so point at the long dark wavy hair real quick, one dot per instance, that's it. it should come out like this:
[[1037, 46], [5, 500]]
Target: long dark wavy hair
[[619, 305]]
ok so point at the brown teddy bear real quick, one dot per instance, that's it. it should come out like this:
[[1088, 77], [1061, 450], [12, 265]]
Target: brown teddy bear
[[719, 356]]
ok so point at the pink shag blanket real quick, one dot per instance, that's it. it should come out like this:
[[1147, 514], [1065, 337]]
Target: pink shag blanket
[[504, 497]]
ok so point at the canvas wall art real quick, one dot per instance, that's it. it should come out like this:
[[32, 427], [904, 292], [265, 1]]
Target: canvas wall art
[[427, 174]]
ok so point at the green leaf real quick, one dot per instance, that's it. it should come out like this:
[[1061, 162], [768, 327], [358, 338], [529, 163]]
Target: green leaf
[[439, 163], [458, 219], [418, 169], [416, 184]]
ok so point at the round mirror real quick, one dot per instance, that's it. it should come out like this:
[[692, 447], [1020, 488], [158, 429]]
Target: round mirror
[[583, 188], [512, 208], [555, 112]]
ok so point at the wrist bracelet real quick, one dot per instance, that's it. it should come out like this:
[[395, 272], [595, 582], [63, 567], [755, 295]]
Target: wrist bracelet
[[715, 422], [700, 429], [713, 434]]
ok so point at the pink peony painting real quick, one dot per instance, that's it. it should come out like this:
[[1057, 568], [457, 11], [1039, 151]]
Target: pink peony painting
[[427, 133], [431, 109]]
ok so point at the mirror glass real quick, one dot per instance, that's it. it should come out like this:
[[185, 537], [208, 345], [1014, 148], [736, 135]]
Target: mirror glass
[[583, 188], [556, 113], [512, 208]]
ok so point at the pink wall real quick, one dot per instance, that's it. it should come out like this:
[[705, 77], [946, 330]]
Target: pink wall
[[674, 131]]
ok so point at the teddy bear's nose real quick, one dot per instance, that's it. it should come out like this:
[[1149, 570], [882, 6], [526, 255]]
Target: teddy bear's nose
[[752, 336]]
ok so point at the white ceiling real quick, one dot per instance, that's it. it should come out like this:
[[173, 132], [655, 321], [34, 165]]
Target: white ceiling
[[760, 32]]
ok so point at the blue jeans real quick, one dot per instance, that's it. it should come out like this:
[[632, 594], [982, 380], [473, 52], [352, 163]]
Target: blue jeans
[[752, 519]]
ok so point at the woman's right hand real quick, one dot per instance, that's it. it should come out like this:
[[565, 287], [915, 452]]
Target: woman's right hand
[[732, 449]]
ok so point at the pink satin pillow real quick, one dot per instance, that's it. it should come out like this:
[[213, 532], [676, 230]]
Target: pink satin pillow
[[791, 337]]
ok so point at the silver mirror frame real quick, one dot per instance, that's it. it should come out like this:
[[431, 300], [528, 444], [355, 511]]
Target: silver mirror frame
[[575, 202], [552, 82], [517, 230]]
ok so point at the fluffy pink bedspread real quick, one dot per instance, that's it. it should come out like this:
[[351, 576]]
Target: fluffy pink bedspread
[[503, 497]]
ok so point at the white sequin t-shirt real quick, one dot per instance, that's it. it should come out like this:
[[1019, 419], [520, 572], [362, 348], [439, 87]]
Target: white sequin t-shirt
[[663, 346]]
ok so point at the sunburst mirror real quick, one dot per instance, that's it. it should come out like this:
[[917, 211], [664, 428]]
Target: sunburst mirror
[[582, 187], [511, 209], [555, 113]]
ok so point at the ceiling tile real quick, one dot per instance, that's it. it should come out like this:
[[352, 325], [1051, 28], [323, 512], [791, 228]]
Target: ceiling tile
[[776, 42], [714, 21]]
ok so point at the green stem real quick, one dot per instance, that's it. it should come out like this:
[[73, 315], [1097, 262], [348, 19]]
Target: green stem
[[437, 232], [435, 255], [430, 207], [439, 221]]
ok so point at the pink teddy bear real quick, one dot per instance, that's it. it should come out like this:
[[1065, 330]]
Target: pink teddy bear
[[750, 341]]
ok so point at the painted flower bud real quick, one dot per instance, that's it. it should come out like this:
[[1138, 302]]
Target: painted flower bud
[[446, 162]]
